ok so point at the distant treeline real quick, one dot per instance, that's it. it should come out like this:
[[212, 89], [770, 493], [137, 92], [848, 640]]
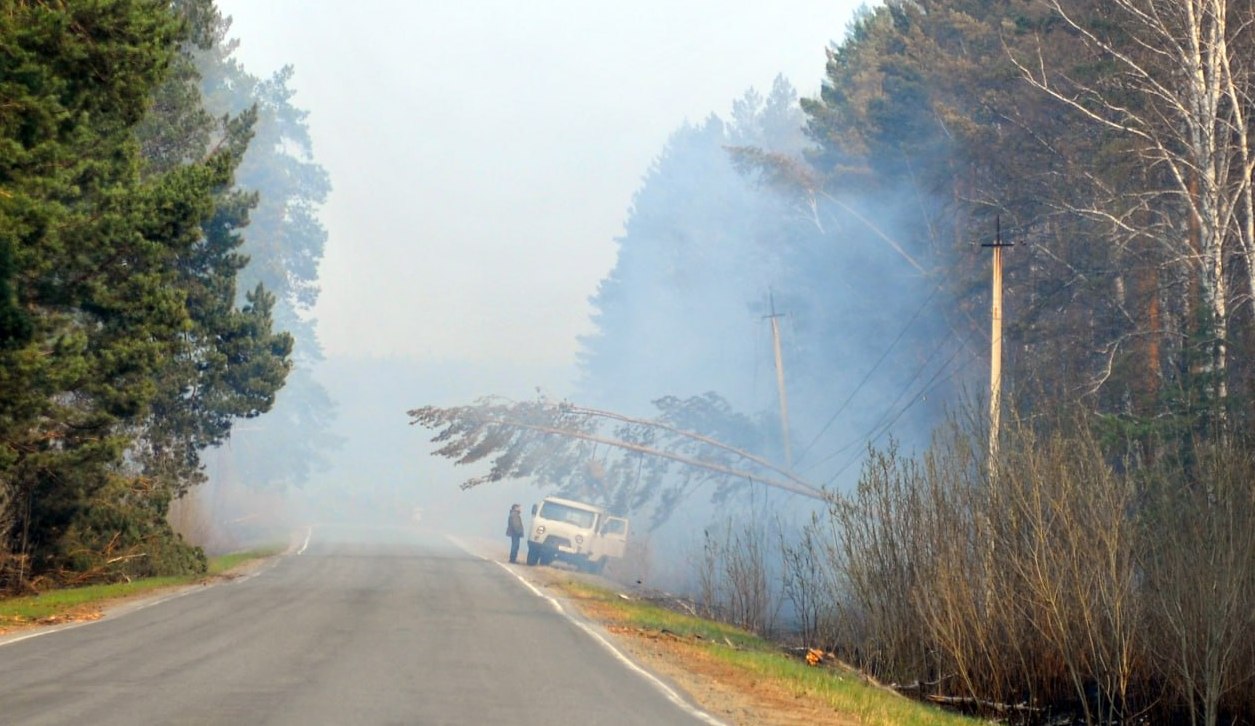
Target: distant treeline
[[137, 324]]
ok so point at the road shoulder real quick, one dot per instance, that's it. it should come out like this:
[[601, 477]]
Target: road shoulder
[[116, 607], [724, 693]]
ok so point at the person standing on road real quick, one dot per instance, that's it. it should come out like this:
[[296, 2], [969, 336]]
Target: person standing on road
[[514, 530]]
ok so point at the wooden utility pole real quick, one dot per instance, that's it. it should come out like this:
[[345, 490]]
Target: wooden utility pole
[[774, 317], [995, 342]]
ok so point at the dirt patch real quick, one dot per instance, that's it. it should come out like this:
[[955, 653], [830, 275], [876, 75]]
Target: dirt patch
[[80, 614]]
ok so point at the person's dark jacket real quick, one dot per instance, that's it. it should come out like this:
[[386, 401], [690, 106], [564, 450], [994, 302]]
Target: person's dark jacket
[[515, 527]]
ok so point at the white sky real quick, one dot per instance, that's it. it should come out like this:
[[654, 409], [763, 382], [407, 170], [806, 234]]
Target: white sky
[[483, 153]]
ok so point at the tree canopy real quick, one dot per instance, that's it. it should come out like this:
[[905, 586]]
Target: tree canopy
[[123, 351]]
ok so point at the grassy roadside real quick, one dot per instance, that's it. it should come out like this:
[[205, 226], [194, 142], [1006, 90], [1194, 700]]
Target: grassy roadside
[[222, 564], [753, 663], [85, 603]]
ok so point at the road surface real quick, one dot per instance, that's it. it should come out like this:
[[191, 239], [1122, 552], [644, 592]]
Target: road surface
[[397, 629]]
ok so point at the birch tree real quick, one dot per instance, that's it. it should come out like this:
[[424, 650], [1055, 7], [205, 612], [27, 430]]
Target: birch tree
[[1178, 90]]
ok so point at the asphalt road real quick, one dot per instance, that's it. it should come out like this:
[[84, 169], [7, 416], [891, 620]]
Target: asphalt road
[[396, 629]]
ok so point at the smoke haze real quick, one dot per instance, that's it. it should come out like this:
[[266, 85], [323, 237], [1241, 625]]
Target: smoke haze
[[544, 199]]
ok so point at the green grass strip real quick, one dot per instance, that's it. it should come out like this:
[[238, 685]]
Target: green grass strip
[[224, 563], [844, 690], [59, 602], [53, 603]]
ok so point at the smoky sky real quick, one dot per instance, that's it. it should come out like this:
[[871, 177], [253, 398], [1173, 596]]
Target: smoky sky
[[483, 155], [484, 158]]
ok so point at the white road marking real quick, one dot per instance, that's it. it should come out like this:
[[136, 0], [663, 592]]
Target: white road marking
[[55, 629], [309, 532], [657, 683]]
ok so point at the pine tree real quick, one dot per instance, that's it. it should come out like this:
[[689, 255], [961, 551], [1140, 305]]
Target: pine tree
[[114, 281], [284, 243]]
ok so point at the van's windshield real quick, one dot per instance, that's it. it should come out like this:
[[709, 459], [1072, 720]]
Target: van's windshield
[[563, 513]]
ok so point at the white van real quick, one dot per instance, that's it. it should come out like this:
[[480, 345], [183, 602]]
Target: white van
[[584, 535]]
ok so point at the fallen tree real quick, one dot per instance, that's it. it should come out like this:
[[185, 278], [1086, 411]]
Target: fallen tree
[[558, 443]]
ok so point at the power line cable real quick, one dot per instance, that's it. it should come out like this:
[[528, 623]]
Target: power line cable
[[867, 376], [889, 412], [932, 383]]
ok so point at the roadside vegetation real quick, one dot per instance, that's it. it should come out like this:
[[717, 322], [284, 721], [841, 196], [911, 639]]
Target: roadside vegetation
[[85, 603], [154, 270], [223, 564], [1067, 581], [828, 685]]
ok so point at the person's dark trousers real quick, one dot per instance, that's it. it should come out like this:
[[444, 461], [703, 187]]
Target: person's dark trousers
[[514, 548]]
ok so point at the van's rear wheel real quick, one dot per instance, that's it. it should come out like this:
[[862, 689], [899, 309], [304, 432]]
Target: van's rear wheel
[[533, 554]]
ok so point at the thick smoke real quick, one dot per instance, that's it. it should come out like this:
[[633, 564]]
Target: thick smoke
[[730, 225], [716, 238]]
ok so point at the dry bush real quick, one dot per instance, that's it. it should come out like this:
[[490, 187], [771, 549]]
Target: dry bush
[[877, 548], [1068, 586], [749, 596], [1069, 543], [1030, 599], [1198, 556], [803, 581], [708, 585], [968, 602], [733, 580], [1065, 585], [1012, 592]]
